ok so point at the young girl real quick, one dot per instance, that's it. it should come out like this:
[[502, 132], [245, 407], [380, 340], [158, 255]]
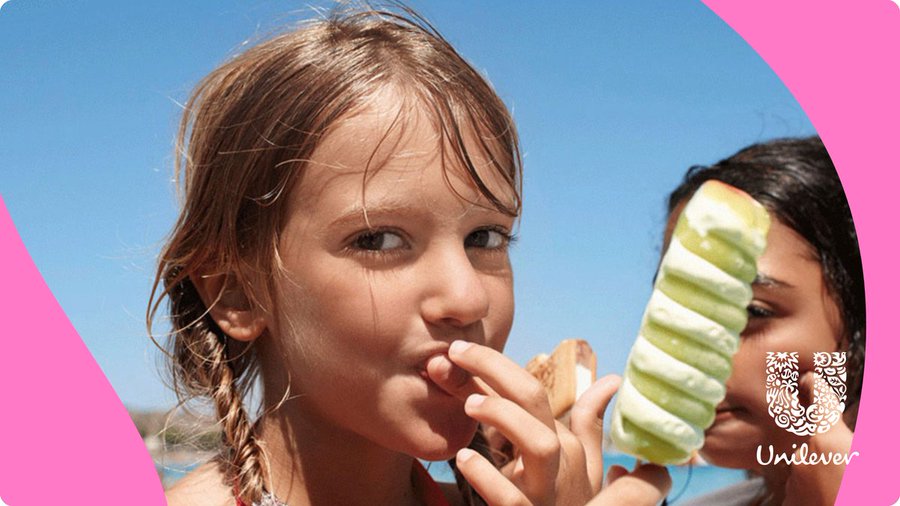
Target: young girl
[[349, 194], [808, 297]]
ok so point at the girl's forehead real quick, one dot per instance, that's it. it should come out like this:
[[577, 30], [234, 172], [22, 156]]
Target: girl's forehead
[[385, 128], [392, 139], [789, 258]]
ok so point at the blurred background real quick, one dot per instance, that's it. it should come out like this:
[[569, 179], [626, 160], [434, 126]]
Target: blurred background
[[613, 100]]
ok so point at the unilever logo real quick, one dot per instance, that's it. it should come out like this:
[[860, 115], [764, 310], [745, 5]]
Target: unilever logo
[[829, 392], [828, 402]]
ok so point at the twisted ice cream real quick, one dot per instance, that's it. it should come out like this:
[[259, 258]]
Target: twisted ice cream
[[681, 359]]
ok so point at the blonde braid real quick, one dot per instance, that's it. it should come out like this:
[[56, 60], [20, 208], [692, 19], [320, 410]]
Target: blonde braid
[[203, 367], [241, 456]]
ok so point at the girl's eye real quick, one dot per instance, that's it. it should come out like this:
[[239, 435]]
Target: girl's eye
[[487, 239], [755, 311], [377, 240]]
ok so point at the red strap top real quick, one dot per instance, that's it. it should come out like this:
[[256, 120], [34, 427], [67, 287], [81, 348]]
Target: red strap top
[[432, 495], [429, 491]]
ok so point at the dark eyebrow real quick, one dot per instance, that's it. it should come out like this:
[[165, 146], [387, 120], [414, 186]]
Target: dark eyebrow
[[766, 281]]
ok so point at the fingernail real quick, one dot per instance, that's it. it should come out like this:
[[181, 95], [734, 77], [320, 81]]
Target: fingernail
[[475, 400], [464, 455], [459, 347]]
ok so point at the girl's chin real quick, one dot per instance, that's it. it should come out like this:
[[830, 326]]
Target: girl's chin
[[731, 445], [437, 455], [443, 445]]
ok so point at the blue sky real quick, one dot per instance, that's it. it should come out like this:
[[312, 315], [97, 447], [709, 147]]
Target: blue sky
[[613, 100]]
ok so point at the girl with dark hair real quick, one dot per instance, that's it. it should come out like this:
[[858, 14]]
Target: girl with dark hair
[[808, 297], [349, 191]]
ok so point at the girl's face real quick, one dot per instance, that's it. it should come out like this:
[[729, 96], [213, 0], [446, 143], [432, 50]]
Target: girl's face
[[791, 310], [381, 276]]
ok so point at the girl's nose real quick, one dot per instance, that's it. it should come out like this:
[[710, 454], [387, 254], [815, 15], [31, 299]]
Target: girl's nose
[[455, 294]]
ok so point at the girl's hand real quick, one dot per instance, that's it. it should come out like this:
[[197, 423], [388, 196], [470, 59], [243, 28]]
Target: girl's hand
[[647, 484], [555, 465], [818, 483]]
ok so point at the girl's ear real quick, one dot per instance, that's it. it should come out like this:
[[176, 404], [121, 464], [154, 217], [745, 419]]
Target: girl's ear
[[229, 306]]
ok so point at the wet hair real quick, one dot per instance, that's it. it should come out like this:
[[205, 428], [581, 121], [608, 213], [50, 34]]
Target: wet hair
[[795, 180], [247, 133]]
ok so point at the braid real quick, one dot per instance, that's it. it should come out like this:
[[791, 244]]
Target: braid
[[240, 460], [203, 367]]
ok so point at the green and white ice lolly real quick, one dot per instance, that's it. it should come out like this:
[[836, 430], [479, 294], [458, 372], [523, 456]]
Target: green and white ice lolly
[[691, 328]]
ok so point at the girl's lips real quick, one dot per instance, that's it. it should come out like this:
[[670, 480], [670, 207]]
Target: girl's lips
[[728, 413]]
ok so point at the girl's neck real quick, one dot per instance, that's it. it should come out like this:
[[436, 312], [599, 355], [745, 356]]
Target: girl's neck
[[324, 464]]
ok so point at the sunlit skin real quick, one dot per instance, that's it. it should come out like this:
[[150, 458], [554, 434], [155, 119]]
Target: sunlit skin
[[791, 311]]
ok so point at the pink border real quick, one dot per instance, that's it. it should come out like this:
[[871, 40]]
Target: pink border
[[840, 60], [65, 438]]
